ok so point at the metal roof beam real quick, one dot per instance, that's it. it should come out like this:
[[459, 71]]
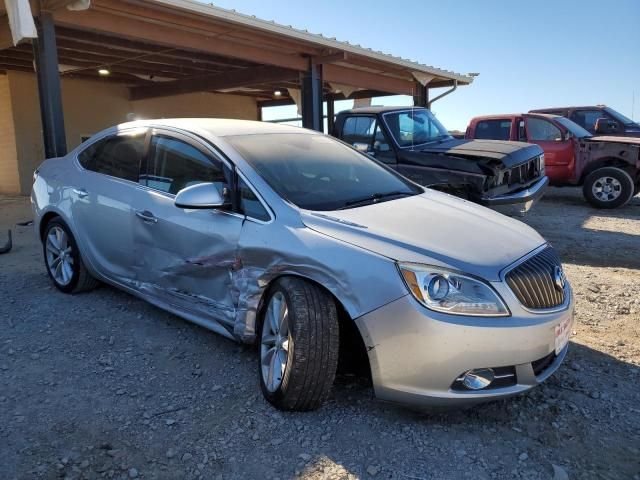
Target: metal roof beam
[[236, 78], [174, 35]]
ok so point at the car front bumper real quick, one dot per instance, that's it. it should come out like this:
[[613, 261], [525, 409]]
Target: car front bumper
[[416, 354], [518, 202]]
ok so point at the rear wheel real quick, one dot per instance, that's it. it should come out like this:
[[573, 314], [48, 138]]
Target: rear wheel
[[63, 261], [299, 343], [608, 187]]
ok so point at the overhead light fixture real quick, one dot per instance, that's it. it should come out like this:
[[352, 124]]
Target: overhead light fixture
[[104, 71], [277, 93]]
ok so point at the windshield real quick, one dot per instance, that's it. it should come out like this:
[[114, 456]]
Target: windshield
[[620, 117], [316, 172], [573, 127], [415, 127]]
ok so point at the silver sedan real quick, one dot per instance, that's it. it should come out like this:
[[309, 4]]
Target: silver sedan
[[294, 241]]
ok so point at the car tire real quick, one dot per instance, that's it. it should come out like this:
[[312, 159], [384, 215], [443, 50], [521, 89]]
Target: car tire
[[68, 271], [608, 187], [298, 353]]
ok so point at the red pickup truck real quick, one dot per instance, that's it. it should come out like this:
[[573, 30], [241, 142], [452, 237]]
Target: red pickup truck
[[608, 168]]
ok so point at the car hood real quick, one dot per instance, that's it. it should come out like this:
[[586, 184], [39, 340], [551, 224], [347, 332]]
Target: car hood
[[509, 153], [432, 228], [611, 138]]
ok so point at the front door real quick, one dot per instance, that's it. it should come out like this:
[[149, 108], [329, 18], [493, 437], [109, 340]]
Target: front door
[[185, 257], [559, 151]]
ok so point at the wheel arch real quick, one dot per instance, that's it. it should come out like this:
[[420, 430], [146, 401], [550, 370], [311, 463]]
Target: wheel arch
[[615, 162], [353, 356]]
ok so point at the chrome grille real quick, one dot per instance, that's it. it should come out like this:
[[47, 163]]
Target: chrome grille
[[533, 281], [524, 173]]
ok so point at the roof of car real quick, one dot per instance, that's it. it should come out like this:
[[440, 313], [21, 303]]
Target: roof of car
[[378, 109], [218, 127], [553, 109], [511, 115]]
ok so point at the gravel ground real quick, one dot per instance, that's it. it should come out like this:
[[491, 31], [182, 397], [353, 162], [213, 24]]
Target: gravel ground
[[102, 385]]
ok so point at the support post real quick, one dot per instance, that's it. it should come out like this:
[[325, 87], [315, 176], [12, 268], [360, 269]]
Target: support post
[[421, 98], [45, 53], [330, 114], [311, 93]]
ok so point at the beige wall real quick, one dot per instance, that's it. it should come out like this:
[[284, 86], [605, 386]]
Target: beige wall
[[9, 178], [90, 106]]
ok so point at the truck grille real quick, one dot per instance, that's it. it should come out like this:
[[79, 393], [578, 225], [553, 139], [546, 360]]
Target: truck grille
[[524, 173], [533, 281]]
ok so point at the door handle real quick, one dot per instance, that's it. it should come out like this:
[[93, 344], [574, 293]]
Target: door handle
[[81, 192], [146, 216]]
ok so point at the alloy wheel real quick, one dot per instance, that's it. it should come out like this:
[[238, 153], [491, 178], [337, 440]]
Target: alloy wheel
[[59, 256], [606, 189], [275, 342]]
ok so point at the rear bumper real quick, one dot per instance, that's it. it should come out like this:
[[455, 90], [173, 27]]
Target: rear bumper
[[523, 200], [417, 355]]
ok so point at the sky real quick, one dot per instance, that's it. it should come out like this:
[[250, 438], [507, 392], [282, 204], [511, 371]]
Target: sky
[[530, 54]]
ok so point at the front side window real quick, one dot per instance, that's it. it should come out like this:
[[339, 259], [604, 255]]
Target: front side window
[[174, 164], [415, 127], [493, 130], [540, 130], [316, 172], [118, 156], [587, 118]]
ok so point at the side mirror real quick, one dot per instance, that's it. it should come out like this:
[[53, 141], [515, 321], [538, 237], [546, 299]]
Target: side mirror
[[202, 195], [361, 147], [604, 125]]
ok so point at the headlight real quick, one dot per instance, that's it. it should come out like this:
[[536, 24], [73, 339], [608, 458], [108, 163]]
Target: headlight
[[450, 292]]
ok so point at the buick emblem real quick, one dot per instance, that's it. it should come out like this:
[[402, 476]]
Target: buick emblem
[[559, 278]]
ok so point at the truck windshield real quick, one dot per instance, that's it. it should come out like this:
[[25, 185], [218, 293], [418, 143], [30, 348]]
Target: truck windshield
[[620, 117], [316, 172], [573, 127], [415, 127]]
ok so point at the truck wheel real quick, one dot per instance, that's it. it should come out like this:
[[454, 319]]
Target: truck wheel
[[299, 343], [608, 187], [63, 261]]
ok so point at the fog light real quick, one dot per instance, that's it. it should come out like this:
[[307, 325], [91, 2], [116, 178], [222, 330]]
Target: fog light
[[478, 379]]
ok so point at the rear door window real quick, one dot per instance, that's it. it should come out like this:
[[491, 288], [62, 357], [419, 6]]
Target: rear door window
[[117, 156], [493, 130], [174, 164]]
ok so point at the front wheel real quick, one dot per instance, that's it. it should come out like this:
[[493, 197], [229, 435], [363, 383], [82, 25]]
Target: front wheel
[[299, 342], [63, 261], [608, 187]]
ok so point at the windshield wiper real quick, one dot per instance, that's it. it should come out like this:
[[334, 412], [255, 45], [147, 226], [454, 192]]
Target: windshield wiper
[[375, 198]]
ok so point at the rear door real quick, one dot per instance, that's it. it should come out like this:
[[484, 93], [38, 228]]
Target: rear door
[[101, 202], [186, 257], [559, 151]]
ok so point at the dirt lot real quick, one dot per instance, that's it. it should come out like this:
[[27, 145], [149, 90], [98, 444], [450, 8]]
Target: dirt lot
[[103, 385]]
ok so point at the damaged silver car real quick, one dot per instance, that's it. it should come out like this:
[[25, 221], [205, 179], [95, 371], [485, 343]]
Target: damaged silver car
[[291, 239]]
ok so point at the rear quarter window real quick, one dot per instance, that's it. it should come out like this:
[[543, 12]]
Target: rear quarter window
[[493, 130]]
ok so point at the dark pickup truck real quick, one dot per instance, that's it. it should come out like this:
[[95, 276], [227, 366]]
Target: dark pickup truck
[[506, 175], [597, 120]]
